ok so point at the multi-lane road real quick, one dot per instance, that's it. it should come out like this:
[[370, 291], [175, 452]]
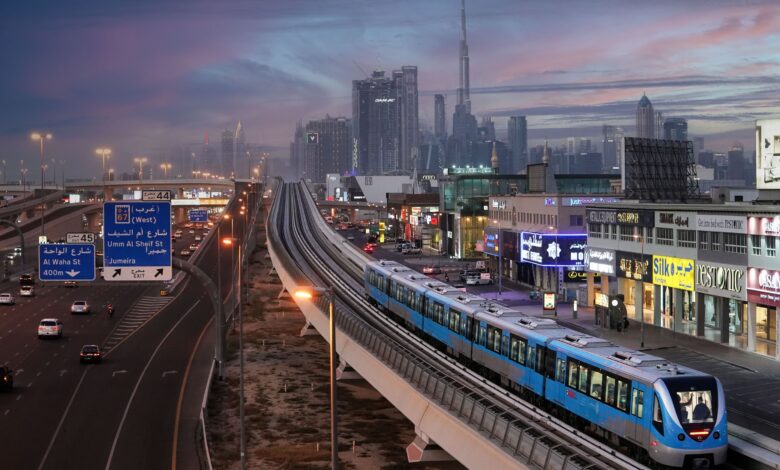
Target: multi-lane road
[[125, 412]]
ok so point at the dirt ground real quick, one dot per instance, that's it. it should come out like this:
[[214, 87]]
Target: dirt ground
[[287, 396]]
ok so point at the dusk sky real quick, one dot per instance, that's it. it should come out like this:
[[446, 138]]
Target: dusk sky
[[147, 75]]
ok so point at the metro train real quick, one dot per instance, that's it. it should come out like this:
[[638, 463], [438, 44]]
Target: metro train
[[660, 413]]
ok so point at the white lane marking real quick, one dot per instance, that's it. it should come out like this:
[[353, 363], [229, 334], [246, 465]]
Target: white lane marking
[[63, 372], [18, 397], [62, 420], [38, 374], [6, 412], [123, 371], [138, 384], [169, 372]]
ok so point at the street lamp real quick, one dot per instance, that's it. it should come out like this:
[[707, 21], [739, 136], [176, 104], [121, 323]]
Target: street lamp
[[310, 294], [104, 154], [642, 294], [165, 167], [242, 436], [41, 137], [140, 161]]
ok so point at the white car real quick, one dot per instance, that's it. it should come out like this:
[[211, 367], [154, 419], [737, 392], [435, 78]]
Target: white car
[[50, 327], [7, 299], [193, 246], [474, 280], [191, 232], [79, 306], [26, 291], [198, 238], [185, 252]]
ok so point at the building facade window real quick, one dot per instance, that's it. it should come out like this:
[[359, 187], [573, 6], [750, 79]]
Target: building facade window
[[735, 243], [715, 241], [613, 231], [594, 230], [755, 242], [770, 246], [704, 240], [649, 235], [626, 233], [686, 238], [664, 236]]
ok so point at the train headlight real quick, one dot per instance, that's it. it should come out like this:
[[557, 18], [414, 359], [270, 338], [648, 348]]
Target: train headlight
[[681, 437], [716, 435]]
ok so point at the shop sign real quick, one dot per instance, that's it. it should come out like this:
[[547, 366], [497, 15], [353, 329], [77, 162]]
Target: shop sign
[[634, 266], [509, 244], [602, 300], [498, 204], [675, 219], [677, 273], [721, 280], [582, 201], [601, 216], [491, 241], [449, 233], [414, 220], [546, 249], [431, 219], [479, 246], [549, 301], [721, 223], [767, 226], [600, 260], [764, 286], [635, 217], [570, 275]]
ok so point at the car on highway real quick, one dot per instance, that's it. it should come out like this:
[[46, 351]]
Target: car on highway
[[79, 306], [191, 232], [198, 238], [188, 225], [351, 237], [26, 280], [368, 248], [70, 284], [470, 272], [411, 250], [26, 291], [193, 246], [431, 270], [185, 252], [7, 299], [6, 378], [49, 327], [90, 353], [478, 279]]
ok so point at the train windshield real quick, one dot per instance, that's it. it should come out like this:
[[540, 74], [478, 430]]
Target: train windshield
[[695, 399]]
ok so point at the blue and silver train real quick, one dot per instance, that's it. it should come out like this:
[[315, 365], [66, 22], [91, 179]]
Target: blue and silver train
[[660, 413]]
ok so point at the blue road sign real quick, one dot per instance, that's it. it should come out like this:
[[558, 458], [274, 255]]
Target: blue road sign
[[137, 241], [199, 215], [66, 262]]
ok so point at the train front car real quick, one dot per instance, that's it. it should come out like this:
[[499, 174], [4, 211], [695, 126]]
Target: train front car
[[689, 426]]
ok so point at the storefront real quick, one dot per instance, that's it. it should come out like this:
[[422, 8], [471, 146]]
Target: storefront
[[550, 253], [676, 277], [722, 302], [599, 265], [635, 282], [764, 296]]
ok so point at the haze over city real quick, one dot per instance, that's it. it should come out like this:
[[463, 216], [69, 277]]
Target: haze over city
[[145, 77]]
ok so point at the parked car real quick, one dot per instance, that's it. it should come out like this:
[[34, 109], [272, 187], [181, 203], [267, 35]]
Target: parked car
[[351, 237], [368, 248], [477, 279], [7, 299], [411, 250], [470, 272]]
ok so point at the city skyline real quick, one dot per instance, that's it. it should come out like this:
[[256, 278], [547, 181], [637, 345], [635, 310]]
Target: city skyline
[[136, 78]]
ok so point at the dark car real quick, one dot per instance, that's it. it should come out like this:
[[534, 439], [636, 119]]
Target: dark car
[[26, 280], [90, 353], [6, 378]]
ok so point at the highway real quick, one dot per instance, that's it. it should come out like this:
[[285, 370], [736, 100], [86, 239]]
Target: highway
[[122, 413]]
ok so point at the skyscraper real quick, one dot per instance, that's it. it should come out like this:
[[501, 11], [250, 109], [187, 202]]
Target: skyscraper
[[517, 132], [439, 122], [463, 89], [328, 147], [676, 129], [297, 149], [645, 119], [659, 125], [228, 152], [464, 124], [736, 162], [611, 144], [406, 88], [239, 144], [376, 124]]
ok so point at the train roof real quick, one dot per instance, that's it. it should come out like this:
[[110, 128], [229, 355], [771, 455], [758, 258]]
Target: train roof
[[627, 362]]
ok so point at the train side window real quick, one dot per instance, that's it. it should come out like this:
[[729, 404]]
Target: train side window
[[549, 363], [596, 384], [482, 335], [622, 396], [454, 320], [561, 373], [541, 352], [474, 330], [505, 345], [494, 339], [531, 360], [583, 385], [658, 417], [573, 374], [465, 322], [611, 391], [637, 402]]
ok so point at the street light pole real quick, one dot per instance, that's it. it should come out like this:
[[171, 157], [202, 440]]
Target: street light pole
[[500, 258], [642, 298], [41, 138]]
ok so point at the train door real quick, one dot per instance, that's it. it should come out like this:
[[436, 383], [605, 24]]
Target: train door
[[638, 430], [557, 391]]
